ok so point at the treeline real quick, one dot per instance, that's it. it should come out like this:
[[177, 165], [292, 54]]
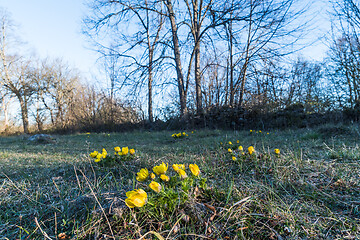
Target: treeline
[[48, 93], [231, 62], [234, 54]]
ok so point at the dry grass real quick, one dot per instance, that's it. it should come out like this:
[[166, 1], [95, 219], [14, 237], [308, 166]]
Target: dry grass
[[311, 192]]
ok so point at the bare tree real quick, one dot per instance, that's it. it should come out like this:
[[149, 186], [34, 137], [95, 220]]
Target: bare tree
[[140, 50], [260, 35], [344, 54]]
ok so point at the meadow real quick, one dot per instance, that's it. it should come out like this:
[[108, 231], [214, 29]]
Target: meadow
[[310, 190]]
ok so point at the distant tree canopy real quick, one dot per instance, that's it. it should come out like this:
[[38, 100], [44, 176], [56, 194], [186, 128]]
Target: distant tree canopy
[[49, 92]]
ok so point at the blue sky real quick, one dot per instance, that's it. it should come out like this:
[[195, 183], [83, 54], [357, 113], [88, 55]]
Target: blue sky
[[52, 28]]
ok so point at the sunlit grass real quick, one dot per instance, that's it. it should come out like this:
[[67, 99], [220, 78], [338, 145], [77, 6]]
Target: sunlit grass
[[310, 191]]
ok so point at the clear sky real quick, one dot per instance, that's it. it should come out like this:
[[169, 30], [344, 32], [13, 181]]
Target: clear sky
[[52, 28]]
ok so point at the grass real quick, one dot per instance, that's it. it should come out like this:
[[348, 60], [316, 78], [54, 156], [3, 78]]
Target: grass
[[312, 191]]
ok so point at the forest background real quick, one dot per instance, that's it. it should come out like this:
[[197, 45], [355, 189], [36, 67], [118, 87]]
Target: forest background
[[176, 64]]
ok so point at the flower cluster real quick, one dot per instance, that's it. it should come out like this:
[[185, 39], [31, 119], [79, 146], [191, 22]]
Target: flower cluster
[[98, 156], [122, 154], [180, 135], [160, 181], [258, 132], [237, 151], [240, 153]]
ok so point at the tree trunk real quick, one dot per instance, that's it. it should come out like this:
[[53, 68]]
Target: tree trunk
[[176, 47], [150, 80], [5, 106], [198, 79], [232, 90], [196, 32], [245, 66], [24, 113]]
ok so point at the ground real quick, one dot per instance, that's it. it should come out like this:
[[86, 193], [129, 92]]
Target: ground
[[311, 190]]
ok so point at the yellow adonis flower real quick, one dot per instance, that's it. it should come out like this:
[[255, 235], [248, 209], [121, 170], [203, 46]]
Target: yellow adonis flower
[[230, 143], [161, 169], [251, 150], [152, 175], [142, 175], [277, 151], [194, 169], [229, 150], [178, 135], [155, 186], [132, 151], [136, 198], [164, 177], [182, 174], [117, 149], [233, 158], [237, 141], [124, 151], [98, 157], [184, 134], [94, 154], [104, 153], [177, 167], [241, 148]]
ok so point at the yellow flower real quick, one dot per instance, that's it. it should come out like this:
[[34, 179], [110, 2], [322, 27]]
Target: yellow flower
[[152, 175], [142, 175], [233, 158], [104, 153], [237, 141], [132, 151], [251, 150], [267, 133], [161, 169], [124, 151], [259, 131], [277, 151], [98, 157], [184, 134], [230, 143], [229, 150], [182, 174], [87, 133], [241, 148], [136, 198], [192, 131], [251, 131], [117, 149], [94, 154], [194, 169], [164, 178], [155, 186], [178, 135], [177, 167]]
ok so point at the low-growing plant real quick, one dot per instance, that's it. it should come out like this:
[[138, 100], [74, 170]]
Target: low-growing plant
[[179, 135], [120, 155]]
